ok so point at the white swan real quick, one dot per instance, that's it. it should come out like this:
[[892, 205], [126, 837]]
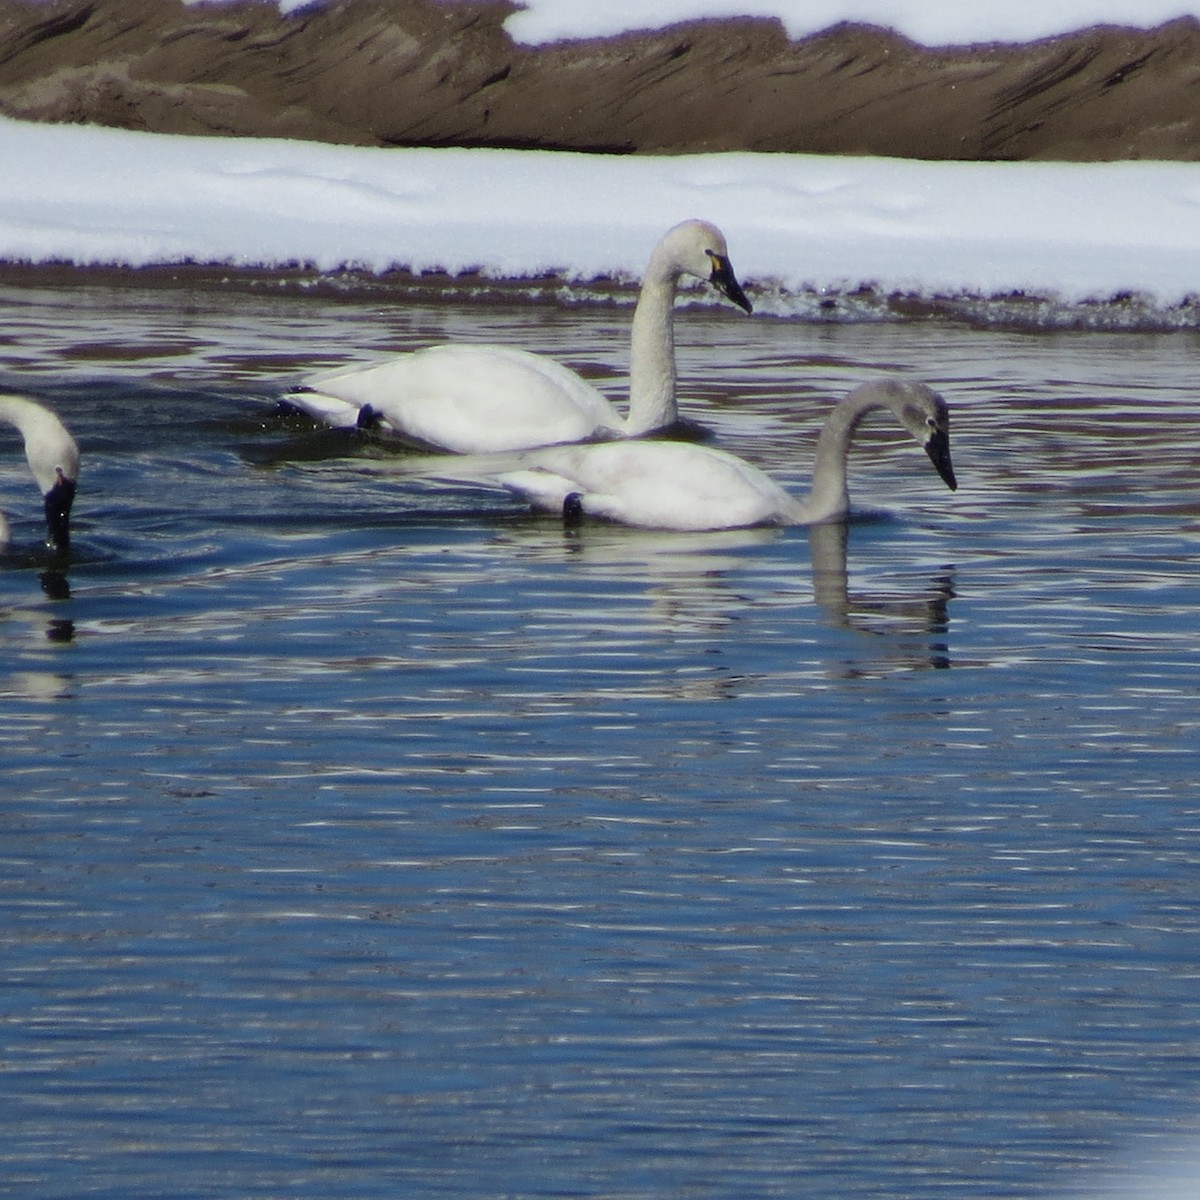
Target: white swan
[[469, 399], [678, 485], [53, 458]]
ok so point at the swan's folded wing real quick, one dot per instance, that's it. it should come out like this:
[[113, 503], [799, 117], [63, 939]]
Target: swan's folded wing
[[469, 399], [655, 485]]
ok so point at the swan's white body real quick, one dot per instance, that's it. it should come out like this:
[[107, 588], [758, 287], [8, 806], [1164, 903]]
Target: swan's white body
[[53, 458], [678, 485], [465, 400], [475, 399]]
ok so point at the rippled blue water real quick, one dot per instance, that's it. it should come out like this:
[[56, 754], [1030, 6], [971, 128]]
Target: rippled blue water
[[365, 836]]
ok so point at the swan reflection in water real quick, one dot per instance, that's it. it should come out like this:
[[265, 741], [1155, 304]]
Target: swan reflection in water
[[923, 615], [43, 623], [702, 584]]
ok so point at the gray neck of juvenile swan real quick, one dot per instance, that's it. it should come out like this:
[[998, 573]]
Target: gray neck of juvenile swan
[[830, 496], [652, 352]]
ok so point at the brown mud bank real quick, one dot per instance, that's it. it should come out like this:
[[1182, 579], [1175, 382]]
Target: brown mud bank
[[426, 73]]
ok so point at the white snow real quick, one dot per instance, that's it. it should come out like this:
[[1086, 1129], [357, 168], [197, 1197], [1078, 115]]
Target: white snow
[[931, 22], [795, 223], [101, 196]]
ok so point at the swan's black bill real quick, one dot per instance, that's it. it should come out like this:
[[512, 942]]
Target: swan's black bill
[[724, 280], [58, 514], [938, 449]]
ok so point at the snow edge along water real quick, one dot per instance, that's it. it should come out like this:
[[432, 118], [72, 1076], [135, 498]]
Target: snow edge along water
[[1039, 245]]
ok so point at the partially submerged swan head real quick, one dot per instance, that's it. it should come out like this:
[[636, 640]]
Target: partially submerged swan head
[[698, 248], [53, 458], [58, 501]]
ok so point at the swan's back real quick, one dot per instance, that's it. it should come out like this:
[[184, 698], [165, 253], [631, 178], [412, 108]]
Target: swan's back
[[658, 485], [468, 399]]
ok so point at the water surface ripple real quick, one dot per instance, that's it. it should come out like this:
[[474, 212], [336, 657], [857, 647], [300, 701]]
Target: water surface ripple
[[367, 837]]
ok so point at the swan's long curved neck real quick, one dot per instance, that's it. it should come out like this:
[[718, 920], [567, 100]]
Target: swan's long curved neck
[[15, 410], [49, 449], [53, 459], [830, 496], [652, 402]]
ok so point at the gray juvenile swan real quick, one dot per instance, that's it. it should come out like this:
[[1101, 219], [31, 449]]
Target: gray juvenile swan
[[53, 458], [675, 485], [475, 399]]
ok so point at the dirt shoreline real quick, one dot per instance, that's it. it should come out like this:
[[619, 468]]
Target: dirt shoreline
[[429, 73]]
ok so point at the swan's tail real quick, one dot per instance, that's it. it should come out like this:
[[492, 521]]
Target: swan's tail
[[329, 410], [542, 488]]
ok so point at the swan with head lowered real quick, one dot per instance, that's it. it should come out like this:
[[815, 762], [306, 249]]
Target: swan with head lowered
[[683, 486], [53, 458], [476, 399]]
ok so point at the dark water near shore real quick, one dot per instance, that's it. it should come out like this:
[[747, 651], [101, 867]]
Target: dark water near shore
[[364, 836]]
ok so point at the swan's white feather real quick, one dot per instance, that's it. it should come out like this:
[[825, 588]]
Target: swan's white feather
[[658, 485], [329, 410], [466, 399]]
